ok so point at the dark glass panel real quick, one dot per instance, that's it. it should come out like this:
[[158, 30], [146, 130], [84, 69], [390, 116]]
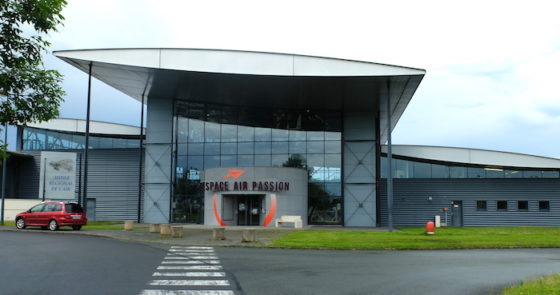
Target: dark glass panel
[[333, 188], [297, 135], [195, 166], [481, 205], [211, 161], [246, 148], [523, 205], [263, 147], [532, 174], [403, 169], [196, 131], [279, 160], [181, 167], [212, 132], [332, 147], [316, 166], [544, 205], [262, 134], [213, 113], [513, 174], [323, 208], [245, 160], [494, 173], [229, 161], [229, 115], [440, 171], [550, 174], [333, 136], [279, 147], [195, 111], [383, 167], [229, 133], [229, 148], [297, 147], [279, 135], [212, 149], [245, 133], [262, 160], [473, 172], [315, 135], [182, 129], [332, 167], [458, 172], [315, 147], [195, 149], [422, 170], [501, 205]]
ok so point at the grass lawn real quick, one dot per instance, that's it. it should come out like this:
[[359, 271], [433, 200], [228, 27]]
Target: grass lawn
[[543, 286], [414, 238]]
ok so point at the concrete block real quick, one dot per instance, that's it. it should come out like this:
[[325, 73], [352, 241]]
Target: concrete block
[[177, 231], [154, 227], [165, 229], [218, 233], [129, 225], [249, 235]]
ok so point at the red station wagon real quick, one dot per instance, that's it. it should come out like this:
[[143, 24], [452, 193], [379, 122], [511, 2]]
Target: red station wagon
[[53, 215]]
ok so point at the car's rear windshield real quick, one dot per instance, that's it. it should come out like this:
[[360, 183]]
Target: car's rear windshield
[[74, 208]]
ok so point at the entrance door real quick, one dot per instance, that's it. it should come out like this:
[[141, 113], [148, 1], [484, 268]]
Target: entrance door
[[457, 213], [90, 209], [249, 209]]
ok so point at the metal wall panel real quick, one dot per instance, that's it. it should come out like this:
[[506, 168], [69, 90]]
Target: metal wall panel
[[112, 181], [412, 206], [359, 150], [158, 176]]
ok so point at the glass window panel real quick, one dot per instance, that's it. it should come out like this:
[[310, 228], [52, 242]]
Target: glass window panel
[[279, 147], [513, 174], [181, 167], [332, 147], [297, 135], [182, 129], [262, 134], [473, 172], [196, 131], [279, 160], [458, 172], [532, 174], [384, 167], [229, 114], [316, 164], [79, 140], [211, 161], [95, 142], [523, 205], [315, 147], [544, 205], [245, 160], [246, 148], [279, 135], [213, 113], [333, 136], [195, 166], [262, 160], [195, 149], [212, 149], [297, 147], [440, 171], [229, 161], [315, 135], [182, 149], [104, 143], [229, 148], [501, 205], [332, 167], [333, 188], [196, 111], [212, 132], [494, 173], [297, 161], [481, 205], [403, 168], [262, 147], [229, 133], [550, 174], [422, 170], [245, 133]]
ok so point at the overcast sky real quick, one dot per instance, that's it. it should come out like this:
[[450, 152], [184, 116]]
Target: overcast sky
[[492, 66]]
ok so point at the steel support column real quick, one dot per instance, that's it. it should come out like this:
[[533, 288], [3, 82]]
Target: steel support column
[[86, 147], [4, 172], [389, 162], [141, 159]]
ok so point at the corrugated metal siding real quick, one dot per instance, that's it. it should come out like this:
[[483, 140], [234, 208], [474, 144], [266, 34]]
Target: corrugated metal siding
[[112, 181], [412, 207]]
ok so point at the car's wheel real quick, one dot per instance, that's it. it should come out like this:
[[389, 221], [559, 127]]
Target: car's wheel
[[76, 227], [53, 225], [20, 223]]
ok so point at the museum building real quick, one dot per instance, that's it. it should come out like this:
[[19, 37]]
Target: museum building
[[243, 138]]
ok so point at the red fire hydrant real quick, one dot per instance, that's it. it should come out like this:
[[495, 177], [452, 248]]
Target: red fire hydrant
[[430, 228]]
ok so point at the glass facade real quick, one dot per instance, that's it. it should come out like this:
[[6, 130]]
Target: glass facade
[[41, 139], [208, 135], [415, 169]]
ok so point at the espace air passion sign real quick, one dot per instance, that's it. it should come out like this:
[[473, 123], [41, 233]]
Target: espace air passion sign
[[225, 185]]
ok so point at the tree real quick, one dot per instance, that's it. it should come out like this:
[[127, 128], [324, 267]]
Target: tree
[[28, 91]]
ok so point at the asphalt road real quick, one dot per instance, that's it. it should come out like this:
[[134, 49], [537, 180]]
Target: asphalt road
[[484, 272], [44, 263]]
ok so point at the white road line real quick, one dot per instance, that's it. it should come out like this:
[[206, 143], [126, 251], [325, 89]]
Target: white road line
[[190, 250], [203, 257], [190, 262], [212, 274], [189, 283], [187, 292], [178, 257], [191, 247], [190, 267]]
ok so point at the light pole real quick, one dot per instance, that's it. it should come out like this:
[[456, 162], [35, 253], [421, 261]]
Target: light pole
[[4, 171]]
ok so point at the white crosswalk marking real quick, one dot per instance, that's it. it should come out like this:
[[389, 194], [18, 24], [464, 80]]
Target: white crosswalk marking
[[190, 274], [190, 268], [186, 292], [189, 283]]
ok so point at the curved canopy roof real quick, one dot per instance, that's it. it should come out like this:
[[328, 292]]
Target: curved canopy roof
[[473, 156], [257, 79]]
